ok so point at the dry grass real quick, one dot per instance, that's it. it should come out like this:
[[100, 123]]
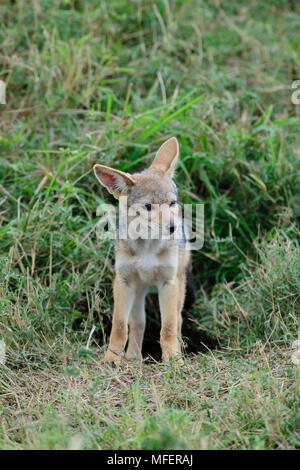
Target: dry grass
[[214, 401]]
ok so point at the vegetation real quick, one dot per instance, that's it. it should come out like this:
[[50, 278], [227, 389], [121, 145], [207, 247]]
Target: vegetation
[[108, 82]]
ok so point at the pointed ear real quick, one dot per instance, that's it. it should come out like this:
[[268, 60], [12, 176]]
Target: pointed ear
[[166, 157], [117, 182]]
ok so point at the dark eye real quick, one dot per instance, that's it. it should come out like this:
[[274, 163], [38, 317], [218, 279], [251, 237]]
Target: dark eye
[[172, 203], [148, 206]]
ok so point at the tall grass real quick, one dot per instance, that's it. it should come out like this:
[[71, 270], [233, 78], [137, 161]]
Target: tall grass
[[108, 82]]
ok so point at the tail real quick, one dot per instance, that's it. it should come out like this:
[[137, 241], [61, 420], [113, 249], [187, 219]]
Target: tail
[[190, 289]]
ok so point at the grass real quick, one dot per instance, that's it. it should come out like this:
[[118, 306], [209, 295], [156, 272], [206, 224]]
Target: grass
[[107, 82], [215, 401]]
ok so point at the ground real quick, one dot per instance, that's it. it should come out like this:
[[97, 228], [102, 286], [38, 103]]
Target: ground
[[108, 82], [214, 401]]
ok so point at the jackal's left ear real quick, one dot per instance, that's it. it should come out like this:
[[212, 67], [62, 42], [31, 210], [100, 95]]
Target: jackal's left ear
[[166, 157], [117, 182]]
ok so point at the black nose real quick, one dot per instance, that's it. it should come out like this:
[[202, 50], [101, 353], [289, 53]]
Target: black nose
[[172, 228]]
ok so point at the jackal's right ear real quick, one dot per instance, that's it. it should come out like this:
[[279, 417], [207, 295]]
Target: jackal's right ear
[[166, 157], [117, 182]]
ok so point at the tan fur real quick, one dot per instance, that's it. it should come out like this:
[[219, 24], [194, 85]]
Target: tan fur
[[166, 157], [143, 263]]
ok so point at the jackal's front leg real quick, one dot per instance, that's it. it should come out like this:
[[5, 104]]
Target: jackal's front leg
[[123, 300], [168, 301]]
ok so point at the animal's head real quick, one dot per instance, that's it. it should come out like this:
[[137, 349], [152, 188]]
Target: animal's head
[[151, 195]]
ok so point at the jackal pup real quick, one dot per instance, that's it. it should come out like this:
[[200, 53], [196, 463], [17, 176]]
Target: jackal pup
[[161, 259]]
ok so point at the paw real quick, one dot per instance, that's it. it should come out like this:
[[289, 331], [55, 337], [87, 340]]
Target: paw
[[133, 356], [112, 358], [174, 358], [179, 361]]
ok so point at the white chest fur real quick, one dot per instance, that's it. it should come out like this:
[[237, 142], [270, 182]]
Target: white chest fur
[[149, 263]]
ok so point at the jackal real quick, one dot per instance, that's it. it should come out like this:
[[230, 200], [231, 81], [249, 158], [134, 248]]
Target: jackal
[[162, 260]]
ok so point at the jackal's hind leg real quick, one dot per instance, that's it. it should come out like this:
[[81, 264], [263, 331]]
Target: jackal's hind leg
[[137, 321], [181, 297]]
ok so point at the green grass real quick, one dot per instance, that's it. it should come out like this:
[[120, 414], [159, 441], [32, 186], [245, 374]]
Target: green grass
[[108, 82], [215, 401]]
